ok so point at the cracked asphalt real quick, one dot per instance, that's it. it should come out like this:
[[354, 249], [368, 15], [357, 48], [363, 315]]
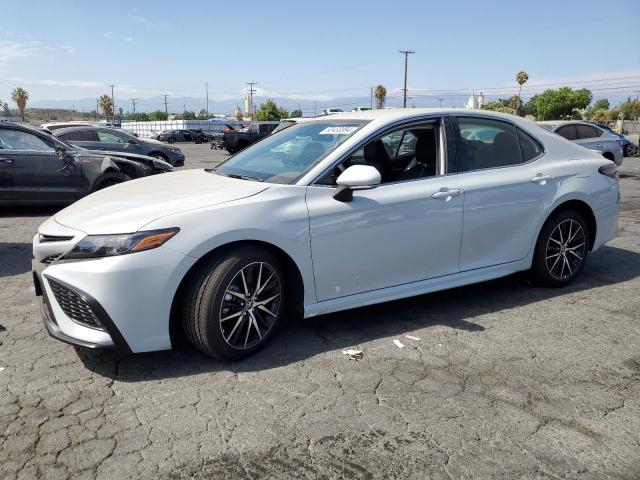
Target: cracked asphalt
[[507, 381]]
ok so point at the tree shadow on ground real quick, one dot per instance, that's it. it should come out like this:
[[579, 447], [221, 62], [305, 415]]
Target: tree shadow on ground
[[297, 341]]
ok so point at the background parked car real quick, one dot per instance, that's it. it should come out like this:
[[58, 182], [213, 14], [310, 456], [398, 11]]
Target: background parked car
[[37, 168], [109, 139], [185, 135], [588, 136], [630, 149], [236, 140]]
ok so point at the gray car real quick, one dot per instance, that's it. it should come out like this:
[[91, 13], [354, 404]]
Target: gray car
[[589, 136], [110, 139]]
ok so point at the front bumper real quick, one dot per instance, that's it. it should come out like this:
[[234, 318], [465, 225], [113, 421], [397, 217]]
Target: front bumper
[[122, 302]]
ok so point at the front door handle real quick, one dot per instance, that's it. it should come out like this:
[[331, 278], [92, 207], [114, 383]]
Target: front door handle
[[7, 161], [446, 194], [541, 179]]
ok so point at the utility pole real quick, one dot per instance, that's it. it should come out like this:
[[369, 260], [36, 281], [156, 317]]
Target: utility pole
[[166, 110], [97, 108], [315, 108], [371, 99], [206, 88], [251, 90], [406, 58], [113, 106], [133, 104], [440, 100]]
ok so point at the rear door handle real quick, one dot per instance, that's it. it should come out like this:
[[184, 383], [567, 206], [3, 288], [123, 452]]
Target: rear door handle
[[541, 179], [446, 194], [7, 161]]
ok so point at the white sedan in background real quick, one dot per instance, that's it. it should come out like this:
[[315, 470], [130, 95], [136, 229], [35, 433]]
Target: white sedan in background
[[375, 206]]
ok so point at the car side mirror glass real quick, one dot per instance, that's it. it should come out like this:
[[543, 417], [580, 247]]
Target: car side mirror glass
[[356, 177]]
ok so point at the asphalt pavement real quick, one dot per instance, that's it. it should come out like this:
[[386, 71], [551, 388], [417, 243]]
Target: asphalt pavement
[[497, 380]]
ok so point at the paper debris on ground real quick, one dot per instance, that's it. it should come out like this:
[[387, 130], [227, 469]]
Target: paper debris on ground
[[355, 354], [2, 368], [411, 337], [398, 343]]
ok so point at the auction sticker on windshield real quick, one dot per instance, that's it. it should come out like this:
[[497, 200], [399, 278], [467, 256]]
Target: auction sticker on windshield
[[337, 131]]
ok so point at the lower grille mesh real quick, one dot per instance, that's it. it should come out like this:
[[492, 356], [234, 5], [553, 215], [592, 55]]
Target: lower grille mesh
[[74, 306]]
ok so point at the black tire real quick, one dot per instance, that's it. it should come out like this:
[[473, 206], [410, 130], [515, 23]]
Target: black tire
[[231, 150], [242, 145], [109, 179], [171, 140], [214, 317], [160, 156], [560, 256]]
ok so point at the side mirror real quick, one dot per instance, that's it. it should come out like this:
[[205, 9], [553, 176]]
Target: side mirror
[[356, 177], [132, 142]]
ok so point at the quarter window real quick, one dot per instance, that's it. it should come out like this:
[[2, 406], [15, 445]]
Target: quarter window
[[530, 148], [484, 143]]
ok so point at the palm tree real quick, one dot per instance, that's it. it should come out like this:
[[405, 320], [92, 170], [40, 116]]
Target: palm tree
[[106, 105], [521, 78], [381, 94], [20, 96]]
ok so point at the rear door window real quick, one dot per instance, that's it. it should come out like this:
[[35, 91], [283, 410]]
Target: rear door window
[[587, 131], [485, 143], [529, 147]]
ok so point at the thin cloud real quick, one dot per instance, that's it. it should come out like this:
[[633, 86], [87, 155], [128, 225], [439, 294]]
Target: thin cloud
[[107, 34], [15, 50], [128, 39], [69, 49], [139, 19]]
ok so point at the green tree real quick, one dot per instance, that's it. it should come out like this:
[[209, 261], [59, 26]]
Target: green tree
[[521, 79], [106, 105], [204, 115], [20, 96], [380, 94], [601, 104], [499, 106], [561, 103], [630, 109], [158, 115], [187, 115], [138, 116], [269, 110], [296, 114], [6, 113]]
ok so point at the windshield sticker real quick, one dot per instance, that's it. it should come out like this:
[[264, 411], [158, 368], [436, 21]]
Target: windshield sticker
[[338, 131]]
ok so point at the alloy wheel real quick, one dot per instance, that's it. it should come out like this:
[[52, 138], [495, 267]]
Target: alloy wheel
[[250, 305], [565, 249]]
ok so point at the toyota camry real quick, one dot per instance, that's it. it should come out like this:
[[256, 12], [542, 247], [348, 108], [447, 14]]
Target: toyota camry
[[332, 213]]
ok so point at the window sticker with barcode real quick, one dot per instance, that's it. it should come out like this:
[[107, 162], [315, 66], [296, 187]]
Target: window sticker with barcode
[[337, 131]]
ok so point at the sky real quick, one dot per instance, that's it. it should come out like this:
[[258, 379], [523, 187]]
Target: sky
[[315, 51]]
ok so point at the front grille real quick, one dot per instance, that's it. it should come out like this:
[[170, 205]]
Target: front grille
[[54, 238], [74, 306]]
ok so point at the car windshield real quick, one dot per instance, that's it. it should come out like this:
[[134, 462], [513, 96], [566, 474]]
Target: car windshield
[[287, 155]]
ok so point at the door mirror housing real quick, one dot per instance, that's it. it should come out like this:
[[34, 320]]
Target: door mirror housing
[[132, 142], [356, 177]]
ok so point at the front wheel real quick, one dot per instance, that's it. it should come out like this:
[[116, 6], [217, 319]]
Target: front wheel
[[561, 250], [234, 303], [109, 179]]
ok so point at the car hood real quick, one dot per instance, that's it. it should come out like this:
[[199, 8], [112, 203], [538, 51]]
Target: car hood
[[153, 140], [127, 207]]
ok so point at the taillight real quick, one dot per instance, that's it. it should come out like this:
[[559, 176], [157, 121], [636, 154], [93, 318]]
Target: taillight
[[610, 170]]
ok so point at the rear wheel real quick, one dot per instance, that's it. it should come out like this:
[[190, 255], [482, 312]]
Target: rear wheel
[[109, 179], [159, 156], [234, 303], [561, 250]]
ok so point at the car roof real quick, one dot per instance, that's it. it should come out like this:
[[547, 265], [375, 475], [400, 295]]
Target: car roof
[[565, 122]]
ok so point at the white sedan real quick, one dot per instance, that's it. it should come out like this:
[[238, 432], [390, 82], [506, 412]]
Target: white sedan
[[375, 206]]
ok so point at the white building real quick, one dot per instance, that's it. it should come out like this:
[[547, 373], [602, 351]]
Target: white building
[[475, 101]]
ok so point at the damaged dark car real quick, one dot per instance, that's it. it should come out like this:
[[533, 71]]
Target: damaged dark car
[[38, 169]]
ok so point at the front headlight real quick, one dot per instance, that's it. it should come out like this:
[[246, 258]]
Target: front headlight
[[96, 246], [176, 150]]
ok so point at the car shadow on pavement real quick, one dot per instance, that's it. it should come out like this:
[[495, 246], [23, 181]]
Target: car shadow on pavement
[[456, 308], [14, 212], [15, 258]]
